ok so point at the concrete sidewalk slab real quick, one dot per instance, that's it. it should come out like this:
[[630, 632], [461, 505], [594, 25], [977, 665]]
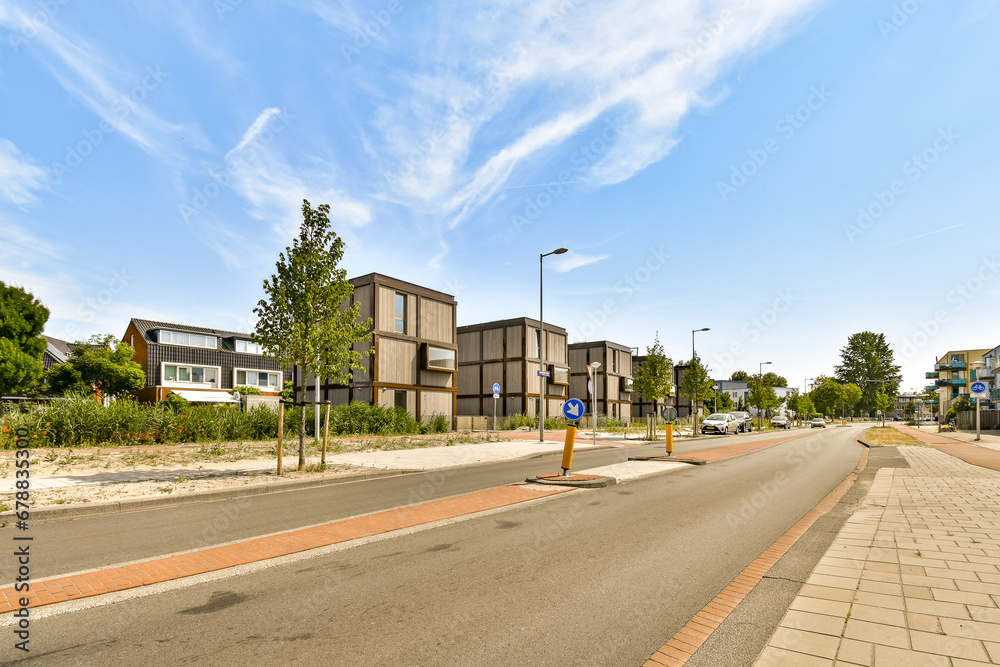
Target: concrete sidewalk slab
[[912, 578]]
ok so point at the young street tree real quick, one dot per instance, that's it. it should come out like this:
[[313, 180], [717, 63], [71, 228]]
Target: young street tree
[[883, 402], [22, 320], [696, 386], [868, 361], [101, 365], [304, 320], [763, 398], [653, 378], [850, 394]]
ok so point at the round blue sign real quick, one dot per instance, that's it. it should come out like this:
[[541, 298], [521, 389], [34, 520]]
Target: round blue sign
[[978, 387], [496, 387], [574, 409]]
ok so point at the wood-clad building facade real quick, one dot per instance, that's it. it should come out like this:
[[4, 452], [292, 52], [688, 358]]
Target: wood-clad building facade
[[507, 352], [612, 382], [414, 362]]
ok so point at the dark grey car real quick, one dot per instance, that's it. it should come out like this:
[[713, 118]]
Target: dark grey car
[[746, 421]]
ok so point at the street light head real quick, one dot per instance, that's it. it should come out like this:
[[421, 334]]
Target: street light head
[[595, 364], [559, 251], [766, 362], [705, 329]]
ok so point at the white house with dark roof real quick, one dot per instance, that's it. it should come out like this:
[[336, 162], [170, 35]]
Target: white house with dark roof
[[198, 363]]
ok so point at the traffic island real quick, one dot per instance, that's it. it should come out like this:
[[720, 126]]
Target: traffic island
[[693, 460], [572, 479]]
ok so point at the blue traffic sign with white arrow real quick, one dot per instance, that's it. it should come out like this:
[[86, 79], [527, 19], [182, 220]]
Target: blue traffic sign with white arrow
[[574, 409]]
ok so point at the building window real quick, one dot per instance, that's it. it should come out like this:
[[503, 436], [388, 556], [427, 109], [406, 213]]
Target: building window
[[559, 375], [192, 374], [187, 340], [247, 346], [627, 384], [399, 399], [267, 379], [400, 313], [537, 353], [614, 361], [439, 359]]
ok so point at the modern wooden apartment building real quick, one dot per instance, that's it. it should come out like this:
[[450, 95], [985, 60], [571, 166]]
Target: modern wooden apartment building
[[507, 352], [641, 407], [612, 381], [414, 362]]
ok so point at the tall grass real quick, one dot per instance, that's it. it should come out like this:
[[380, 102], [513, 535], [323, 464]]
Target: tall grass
[[82, 421]]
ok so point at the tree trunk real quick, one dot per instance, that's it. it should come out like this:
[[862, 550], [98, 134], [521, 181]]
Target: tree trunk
[[302, 424]]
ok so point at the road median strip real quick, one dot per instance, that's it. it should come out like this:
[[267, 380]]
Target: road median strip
[[99, 582]]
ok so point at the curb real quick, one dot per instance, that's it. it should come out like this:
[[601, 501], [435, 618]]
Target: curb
[[109, 507], [862, 442], [693, 460], [582, 481]]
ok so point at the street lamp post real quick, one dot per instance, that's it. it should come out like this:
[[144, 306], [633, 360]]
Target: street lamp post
[[592, 376], [694, 402], [976, 363], [541, 343], [760, 387]]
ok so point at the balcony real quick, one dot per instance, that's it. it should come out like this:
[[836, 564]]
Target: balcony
[[958, 366], [958, 382], [930, 388], [931, 375], [942, 367], [943, 383]]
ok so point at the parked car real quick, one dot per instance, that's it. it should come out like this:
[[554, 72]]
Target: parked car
[[781, 421], [744, 420], [818, 422], [720, 422]]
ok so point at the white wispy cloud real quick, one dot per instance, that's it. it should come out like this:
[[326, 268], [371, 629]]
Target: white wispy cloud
[[20, 178], [572, 260], [115, 94], [274, 189], [517, 82]]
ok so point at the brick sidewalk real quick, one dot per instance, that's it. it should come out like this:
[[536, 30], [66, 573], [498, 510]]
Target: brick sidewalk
[[985, 457], [913, 578]]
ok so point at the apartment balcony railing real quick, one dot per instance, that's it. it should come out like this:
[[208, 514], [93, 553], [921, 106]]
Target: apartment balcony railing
[[958, 366], [931, 375], [959, 382], [930, 388], [943, 383], [942, 367]]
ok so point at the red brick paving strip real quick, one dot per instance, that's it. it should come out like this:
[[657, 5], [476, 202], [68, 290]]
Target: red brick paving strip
[[122, 578], [690, 638], [984, 457]]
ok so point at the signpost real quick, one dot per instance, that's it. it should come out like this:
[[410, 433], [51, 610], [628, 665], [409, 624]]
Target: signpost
[[979, 390], [669, 415], [573, 409], [496, 395]]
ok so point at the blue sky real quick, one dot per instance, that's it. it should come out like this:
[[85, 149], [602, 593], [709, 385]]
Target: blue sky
[[785, 172]]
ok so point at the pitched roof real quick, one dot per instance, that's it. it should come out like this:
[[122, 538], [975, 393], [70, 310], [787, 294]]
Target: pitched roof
[[145, 326]]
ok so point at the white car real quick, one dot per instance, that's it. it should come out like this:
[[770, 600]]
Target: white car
[[720, 422], [818, 422]]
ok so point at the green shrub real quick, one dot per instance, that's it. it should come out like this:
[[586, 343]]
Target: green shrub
[[437, 424], [247, 391]]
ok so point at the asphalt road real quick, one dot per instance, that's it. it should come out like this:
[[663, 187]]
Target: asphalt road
[[88, 543], [600, 577]]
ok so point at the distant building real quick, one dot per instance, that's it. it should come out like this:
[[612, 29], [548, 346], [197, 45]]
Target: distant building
[[951, 376], [506, 352], [57, 352], [612, 381]]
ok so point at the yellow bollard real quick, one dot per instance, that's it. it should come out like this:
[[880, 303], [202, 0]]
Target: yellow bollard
[[567, 461], [670, 438]]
